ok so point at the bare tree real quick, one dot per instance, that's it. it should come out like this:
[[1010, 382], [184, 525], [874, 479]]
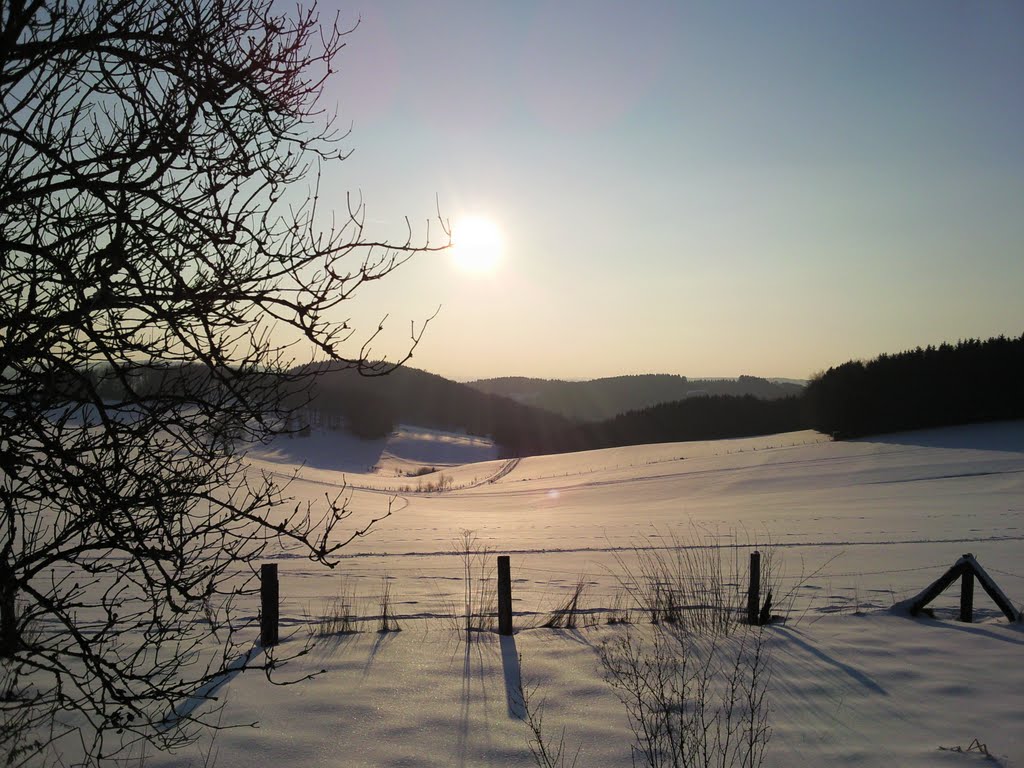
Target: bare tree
[[161, 254]]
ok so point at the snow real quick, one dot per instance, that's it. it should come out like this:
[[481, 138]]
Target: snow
[[851, 527], [847, 690], [389, 464]]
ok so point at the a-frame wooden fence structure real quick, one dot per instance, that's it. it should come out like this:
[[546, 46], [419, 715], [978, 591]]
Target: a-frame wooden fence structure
[[967, 569]]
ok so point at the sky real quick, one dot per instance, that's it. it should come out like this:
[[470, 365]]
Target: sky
[[708, 189]]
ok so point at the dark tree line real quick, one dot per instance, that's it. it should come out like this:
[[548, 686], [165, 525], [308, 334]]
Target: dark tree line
[[935, 386], [971, 381], [698, 418]]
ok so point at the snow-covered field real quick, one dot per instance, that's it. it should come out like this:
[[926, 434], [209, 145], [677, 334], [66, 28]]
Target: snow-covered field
[[852, 527]]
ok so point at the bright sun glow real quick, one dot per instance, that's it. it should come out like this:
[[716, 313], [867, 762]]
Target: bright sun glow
[[476, 244]]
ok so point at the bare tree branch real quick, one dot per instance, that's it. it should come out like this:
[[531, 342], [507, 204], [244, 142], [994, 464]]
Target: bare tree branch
[[159, 266]]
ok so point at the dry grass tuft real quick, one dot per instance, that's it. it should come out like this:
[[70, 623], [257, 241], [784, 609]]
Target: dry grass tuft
[[567, 617]]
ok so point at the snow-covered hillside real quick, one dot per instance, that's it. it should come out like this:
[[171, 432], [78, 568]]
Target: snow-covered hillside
[[852, 527]]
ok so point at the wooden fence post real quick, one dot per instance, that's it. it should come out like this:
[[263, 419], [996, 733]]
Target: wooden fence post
[[504, 595], [269, 609], [967, 595], [9, 640], [754, 592], [967, 569]]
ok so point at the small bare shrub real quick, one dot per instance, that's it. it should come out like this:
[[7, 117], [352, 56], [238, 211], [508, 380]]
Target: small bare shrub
[[479, 584], [567, 616], [387, 621], [339, 616], [619, 613], [546, 753], [700, 584], [692, 701], [338, 619], [441, 484], [688, 584]]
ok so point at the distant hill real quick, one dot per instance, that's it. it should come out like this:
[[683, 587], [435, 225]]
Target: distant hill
[[602, 399], [971, 381], [372, 406]]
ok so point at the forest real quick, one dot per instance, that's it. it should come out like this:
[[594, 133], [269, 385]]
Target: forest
[[970, 381], [967, 382]]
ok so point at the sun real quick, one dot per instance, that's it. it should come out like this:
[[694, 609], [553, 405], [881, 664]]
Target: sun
[[477, 244]]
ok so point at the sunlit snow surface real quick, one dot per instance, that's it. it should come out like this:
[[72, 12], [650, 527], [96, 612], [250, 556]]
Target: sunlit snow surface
[[852, 527]]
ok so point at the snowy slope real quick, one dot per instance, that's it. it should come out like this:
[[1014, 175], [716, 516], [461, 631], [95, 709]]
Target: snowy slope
[[852, 527]]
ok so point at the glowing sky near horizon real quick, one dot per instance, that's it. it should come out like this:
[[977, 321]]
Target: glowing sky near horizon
[[708, 189]]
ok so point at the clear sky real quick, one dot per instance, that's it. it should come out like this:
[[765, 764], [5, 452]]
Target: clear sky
[[708, 189]]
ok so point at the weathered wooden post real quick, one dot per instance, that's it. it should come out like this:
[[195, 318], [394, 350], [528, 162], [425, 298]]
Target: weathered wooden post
[[754, 593], [967, 569], [9, 641], [504, 595], [967, 594], [269, 609]]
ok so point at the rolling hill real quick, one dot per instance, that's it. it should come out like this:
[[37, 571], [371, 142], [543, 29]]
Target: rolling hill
[[601, 399]]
